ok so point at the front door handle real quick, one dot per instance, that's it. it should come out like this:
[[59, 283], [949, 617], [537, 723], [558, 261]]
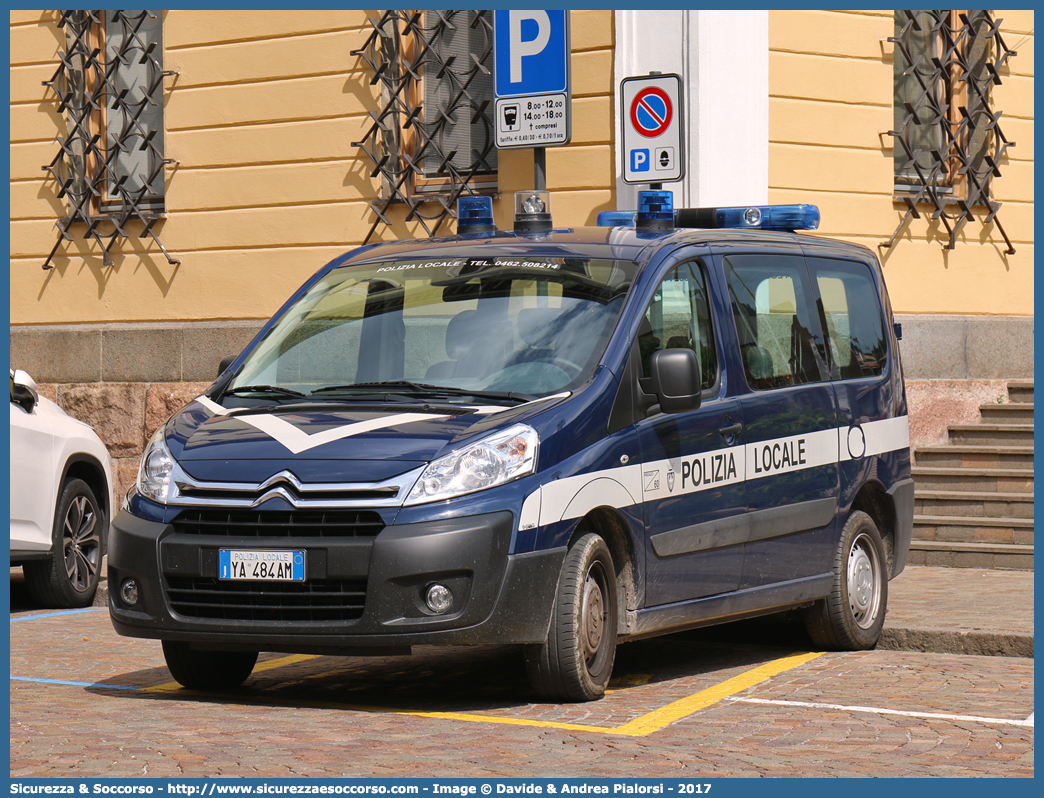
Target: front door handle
[[731, 430]]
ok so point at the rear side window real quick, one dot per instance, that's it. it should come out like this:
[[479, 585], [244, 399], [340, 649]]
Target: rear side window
[[780, 342], [854, 318]]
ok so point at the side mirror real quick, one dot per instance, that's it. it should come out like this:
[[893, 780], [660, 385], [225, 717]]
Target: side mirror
[[24, 390], [675, 379], [224, 364]]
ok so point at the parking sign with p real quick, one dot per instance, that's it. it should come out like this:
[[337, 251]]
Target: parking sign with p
[[531, 57]]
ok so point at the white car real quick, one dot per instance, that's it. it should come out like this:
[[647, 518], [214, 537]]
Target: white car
[[61, 498]]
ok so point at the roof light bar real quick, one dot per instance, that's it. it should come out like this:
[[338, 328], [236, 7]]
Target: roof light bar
[[475, 215], [616, 218], [751, 217]]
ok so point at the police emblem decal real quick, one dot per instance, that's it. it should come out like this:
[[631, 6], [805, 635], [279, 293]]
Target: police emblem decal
[[652, 481], [670, 481]]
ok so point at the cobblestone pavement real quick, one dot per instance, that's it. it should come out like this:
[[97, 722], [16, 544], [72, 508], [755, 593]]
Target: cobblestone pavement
[[680, 706], [970, 599]]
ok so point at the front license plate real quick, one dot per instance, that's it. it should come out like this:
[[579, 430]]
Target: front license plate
[[264, 565]]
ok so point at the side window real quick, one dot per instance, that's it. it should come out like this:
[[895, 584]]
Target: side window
[[679, 318], [780, 342], [854, 319]]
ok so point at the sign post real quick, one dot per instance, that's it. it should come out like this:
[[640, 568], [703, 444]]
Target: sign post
[[652, 140], [532, 93]]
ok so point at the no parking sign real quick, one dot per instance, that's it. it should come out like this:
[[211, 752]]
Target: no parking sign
[[652, 129]]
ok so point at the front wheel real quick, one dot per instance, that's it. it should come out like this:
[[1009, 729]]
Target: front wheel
[[576, 660], [199, 669], [852, 616]]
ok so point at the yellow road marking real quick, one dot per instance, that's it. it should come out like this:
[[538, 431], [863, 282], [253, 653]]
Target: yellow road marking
[[279, 663], [660, 718], [631, 680], [639, 727]]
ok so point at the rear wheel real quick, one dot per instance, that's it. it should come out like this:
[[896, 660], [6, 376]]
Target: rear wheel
[[69, 577], [852, 616], [207, 670], [576, 660]]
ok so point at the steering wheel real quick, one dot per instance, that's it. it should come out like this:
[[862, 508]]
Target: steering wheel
[[568, 366]]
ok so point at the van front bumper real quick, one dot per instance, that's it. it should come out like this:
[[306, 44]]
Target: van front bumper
[[358, 593]]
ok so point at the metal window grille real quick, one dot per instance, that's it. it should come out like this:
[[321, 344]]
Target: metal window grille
[[110, 164], [948, 139], [432, 138]]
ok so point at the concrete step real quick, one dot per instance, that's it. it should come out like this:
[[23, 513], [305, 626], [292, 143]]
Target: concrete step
[[1007, 413], [970, 555], [960, 529], [990, 480], [964, 456], [969, 504], [1020, 391], [992, 434]]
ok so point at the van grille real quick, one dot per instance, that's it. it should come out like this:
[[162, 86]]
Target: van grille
[[280, 523], [316, 600]]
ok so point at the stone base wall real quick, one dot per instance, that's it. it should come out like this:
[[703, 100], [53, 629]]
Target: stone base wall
[[125, 415], [935, 404], [967, 347], [933, 348]]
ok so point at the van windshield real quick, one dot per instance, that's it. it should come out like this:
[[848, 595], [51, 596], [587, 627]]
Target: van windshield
[[500, 327]]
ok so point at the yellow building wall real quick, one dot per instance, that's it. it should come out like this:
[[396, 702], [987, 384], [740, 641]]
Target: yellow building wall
[[830, 104], [266, 187]]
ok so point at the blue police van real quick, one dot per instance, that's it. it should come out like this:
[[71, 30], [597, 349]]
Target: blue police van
[[563, 439]]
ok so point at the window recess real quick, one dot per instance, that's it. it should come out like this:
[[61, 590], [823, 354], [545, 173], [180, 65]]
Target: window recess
[[432, 137], [110, 166], [948, 141]]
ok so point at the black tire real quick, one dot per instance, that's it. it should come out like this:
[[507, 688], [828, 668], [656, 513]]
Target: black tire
[[69, 577], [576, 660], [852, 616], [207, 670]]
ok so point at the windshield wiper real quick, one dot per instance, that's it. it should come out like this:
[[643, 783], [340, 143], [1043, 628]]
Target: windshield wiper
[[512, 395], [429, 390], [262, 389], [412, 386]]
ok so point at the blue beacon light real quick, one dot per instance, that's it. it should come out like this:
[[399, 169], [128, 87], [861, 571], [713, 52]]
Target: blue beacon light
[[655, 210], [475, 215]]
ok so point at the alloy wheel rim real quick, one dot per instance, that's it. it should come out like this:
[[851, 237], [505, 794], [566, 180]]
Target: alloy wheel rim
[[81, 544]]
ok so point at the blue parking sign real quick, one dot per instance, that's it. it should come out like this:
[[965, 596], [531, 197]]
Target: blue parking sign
[[532, 96], [639, 160], [531, 52]]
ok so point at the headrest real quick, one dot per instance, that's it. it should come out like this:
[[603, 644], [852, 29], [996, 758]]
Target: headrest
[[759, 362], [461, 333], [538, 326]]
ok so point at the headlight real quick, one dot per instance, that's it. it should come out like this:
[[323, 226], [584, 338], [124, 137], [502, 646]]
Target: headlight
[[492, 461], [155, 474]]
